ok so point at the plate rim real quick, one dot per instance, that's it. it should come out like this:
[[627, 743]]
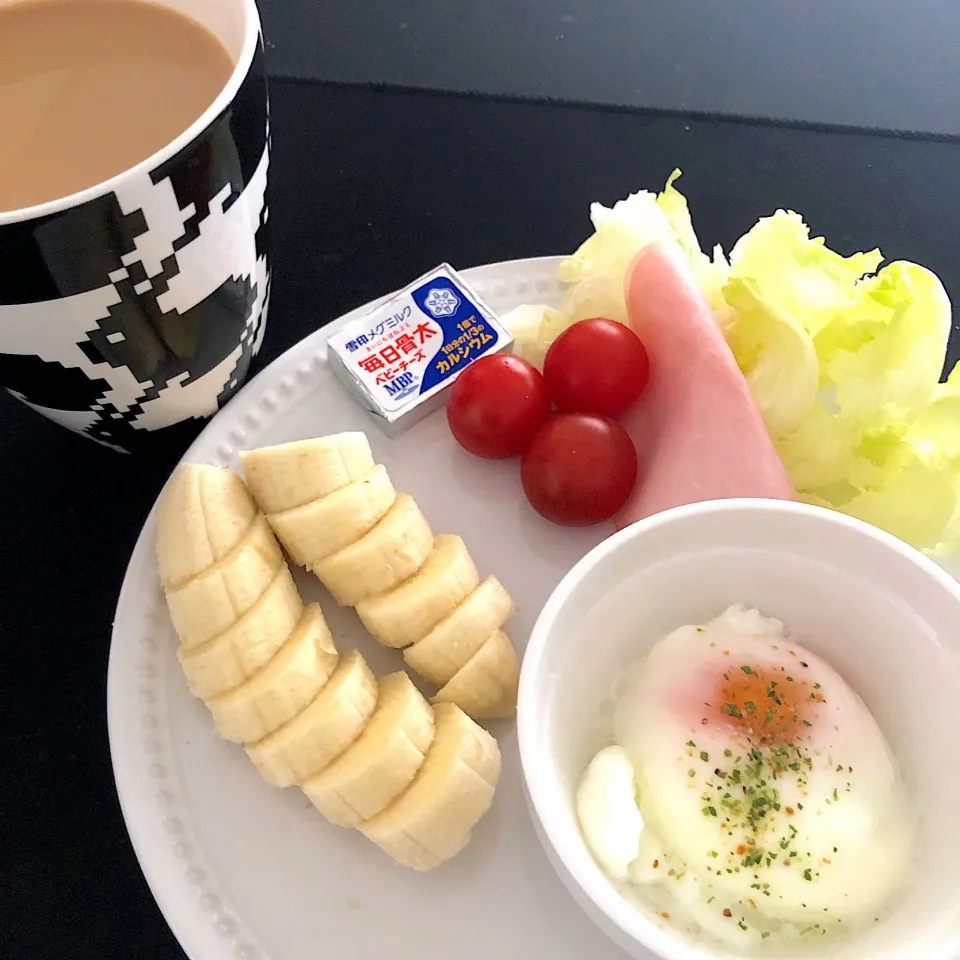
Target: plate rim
[[167, 892]]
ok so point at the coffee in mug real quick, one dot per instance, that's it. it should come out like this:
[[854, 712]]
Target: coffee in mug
[[106, 83]]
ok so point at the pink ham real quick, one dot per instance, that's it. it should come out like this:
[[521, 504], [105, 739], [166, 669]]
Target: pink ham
[[698, 433]]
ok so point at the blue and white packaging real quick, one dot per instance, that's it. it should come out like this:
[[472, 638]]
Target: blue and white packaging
[[401, 358]]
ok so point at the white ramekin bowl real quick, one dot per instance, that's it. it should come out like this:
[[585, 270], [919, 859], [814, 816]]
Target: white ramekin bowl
[[881, 613]]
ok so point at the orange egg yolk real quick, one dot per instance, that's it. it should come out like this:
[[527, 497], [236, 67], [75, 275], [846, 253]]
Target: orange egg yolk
[[769, 705]]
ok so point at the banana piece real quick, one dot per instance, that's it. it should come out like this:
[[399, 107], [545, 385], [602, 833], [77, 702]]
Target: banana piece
[[382, 761], [486, 685], [240, 651], [455, 639], [203, 513], [408, 612], [392, 551], [291, 679], [315, 530], [209, 603], [291, 474], [322, 730], [433, 819]]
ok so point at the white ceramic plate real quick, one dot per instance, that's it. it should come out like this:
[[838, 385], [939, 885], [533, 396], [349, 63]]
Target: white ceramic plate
[[242, 870]]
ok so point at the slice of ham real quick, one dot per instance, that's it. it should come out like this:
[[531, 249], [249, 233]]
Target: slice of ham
[[698, 433]]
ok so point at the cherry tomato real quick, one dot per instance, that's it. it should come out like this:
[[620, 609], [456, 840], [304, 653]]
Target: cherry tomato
[[579, 469], [496, 406], [596, 366]]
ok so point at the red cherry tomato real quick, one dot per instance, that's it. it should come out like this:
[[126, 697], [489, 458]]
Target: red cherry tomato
[[596, 366], [579, 469], [496, 406]]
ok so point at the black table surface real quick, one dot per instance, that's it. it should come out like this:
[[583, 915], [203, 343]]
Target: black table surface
[[370, 188], [864, 63]]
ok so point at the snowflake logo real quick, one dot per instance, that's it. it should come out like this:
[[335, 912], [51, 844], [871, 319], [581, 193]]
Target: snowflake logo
[[441, 302]]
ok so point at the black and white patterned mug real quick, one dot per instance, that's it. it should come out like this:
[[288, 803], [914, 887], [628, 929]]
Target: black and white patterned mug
[[140, 302]]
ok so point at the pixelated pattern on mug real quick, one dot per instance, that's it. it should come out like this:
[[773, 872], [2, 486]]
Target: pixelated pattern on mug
[[160, 322]]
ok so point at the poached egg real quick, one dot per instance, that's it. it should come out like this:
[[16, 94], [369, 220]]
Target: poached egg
[[767, 800]]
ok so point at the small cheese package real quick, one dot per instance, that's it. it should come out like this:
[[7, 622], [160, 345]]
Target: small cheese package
[[399, 359]]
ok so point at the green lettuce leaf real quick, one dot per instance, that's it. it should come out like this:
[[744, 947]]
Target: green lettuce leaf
[[595, 273], [597, 270], [531, 325], [712, 273], [620, 233], [797, 274], [916, 502], [885, 353], [774, 353], [878, 439]]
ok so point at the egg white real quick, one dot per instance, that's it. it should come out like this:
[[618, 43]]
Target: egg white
[[607, 808]]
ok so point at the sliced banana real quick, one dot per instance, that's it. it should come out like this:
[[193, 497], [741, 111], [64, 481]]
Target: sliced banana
[[382, 761], [240, 651], [203, 513], [409, 611], [317, 529], [486, 685], [433, 819], [392, 551], [211, 602], [413, 778], [295, 674], [456, 638], [322, 730], [291, 474]]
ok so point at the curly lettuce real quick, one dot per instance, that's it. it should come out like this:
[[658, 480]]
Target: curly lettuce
[[594, 274], [843, 358]]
